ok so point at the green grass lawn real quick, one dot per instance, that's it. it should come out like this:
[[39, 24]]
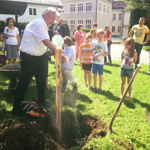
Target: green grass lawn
[[130, 126], [146, 48]]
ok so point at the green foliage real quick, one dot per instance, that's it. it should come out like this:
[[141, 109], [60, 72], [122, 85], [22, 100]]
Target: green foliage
[[83, 29], [134, 19], [67, 28], [20, 26], [139, 4]]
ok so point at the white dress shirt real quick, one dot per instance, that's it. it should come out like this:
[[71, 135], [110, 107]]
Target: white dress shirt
[[35, 32]]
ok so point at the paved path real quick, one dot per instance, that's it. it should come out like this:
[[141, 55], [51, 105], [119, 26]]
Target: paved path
[[116, 54]]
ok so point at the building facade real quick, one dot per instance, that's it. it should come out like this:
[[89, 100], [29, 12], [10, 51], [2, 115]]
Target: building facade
[[104, 12], [34, 9]]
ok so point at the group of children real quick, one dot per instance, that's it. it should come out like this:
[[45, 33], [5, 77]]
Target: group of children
[[91, 60]]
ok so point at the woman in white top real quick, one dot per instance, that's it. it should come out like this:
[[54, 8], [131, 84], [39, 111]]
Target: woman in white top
[[12, 41]]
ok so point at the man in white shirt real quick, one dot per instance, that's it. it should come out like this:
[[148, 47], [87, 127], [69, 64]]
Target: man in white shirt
[[34, 44]]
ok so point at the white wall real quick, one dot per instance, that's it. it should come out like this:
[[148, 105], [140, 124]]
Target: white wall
[[104, 18], [117, 22], [77, 15], [26, 17]]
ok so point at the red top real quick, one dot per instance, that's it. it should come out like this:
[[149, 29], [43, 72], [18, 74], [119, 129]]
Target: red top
[[107, 36]]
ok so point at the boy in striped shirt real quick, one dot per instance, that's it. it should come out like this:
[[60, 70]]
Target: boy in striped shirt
[[86, 59]]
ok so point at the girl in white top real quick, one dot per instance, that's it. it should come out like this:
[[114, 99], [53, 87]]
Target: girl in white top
[[128, 57], [93, 32], [12, 41]]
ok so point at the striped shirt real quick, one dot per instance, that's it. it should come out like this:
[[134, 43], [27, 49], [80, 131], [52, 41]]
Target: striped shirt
[[86, 53]]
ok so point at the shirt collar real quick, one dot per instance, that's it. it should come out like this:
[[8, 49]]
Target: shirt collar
[[44, 22]]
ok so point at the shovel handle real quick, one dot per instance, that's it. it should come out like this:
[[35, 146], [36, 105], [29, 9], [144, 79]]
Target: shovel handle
[[120, 103]]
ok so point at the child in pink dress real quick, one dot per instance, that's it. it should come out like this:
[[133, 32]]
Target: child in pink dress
[[79, 36]]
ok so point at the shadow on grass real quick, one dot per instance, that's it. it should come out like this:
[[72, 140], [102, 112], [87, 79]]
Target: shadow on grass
[[145, 73], [107, 71]]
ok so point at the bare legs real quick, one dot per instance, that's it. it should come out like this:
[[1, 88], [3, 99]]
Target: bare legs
[[123, 81], [100, 81], [87, 75], [14, 61]]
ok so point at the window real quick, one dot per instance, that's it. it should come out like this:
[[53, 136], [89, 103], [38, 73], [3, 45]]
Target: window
[[80, 21], [113, 28], [108, 9], [118, 3], [88, 24], [100, 7], [32, 11], [72, 8], [104, 8], [120, 16], [114, 16], [88, 6], [72, 25], [80, 7], [119, 28]]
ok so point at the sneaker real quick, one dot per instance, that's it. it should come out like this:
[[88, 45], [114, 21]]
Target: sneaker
[[129, 98], [99, 90], [95, 90]]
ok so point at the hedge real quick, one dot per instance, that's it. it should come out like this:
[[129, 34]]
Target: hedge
[[83, 29], [21, 26]]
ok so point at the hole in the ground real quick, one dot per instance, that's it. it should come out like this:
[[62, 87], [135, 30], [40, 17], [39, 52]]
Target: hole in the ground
[[41, 135]]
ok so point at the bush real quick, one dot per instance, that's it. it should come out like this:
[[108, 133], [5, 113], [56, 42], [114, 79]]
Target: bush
[[83, 29]]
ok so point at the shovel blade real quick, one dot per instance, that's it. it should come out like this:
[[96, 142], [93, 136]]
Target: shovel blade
[[148, 115]]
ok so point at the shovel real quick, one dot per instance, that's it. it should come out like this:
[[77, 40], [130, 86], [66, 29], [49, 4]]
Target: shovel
[[148, 115], [120, 103]]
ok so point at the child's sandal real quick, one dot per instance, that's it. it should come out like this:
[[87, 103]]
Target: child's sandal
[[129, 98]]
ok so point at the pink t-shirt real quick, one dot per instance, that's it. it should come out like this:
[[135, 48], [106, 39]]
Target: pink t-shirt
[[79, 41]]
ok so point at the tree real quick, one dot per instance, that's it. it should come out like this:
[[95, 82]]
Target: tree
[[139, 4]]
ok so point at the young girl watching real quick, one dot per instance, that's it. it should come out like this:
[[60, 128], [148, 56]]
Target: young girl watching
[[86, 59], [128, 57], [93, 32]]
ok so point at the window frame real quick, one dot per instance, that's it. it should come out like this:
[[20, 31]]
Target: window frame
[[113, 27], [71, 7], [80, 6], [114, 18], [119, 28], [104, 8], [71, 24], [120, 17], [100, 7], [79, 22], [88, 5], [108, 9], [88, 25]]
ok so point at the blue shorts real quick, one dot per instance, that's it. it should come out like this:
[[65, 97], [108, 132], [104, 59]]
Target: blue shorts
[[126, 72], [96, 68]]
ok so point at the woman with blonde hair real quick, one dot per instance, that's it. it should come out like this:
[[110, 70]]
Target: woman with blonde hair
[[93, 32]]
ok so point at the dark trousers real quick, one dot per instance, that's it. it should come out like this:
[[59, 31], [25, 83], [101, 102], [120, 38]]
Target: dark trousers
[[30, 66], [138, 48], [109, 55]]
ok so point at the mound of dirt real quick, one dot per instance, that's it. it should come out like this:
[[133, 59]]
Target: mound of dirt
[[15, 135]]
